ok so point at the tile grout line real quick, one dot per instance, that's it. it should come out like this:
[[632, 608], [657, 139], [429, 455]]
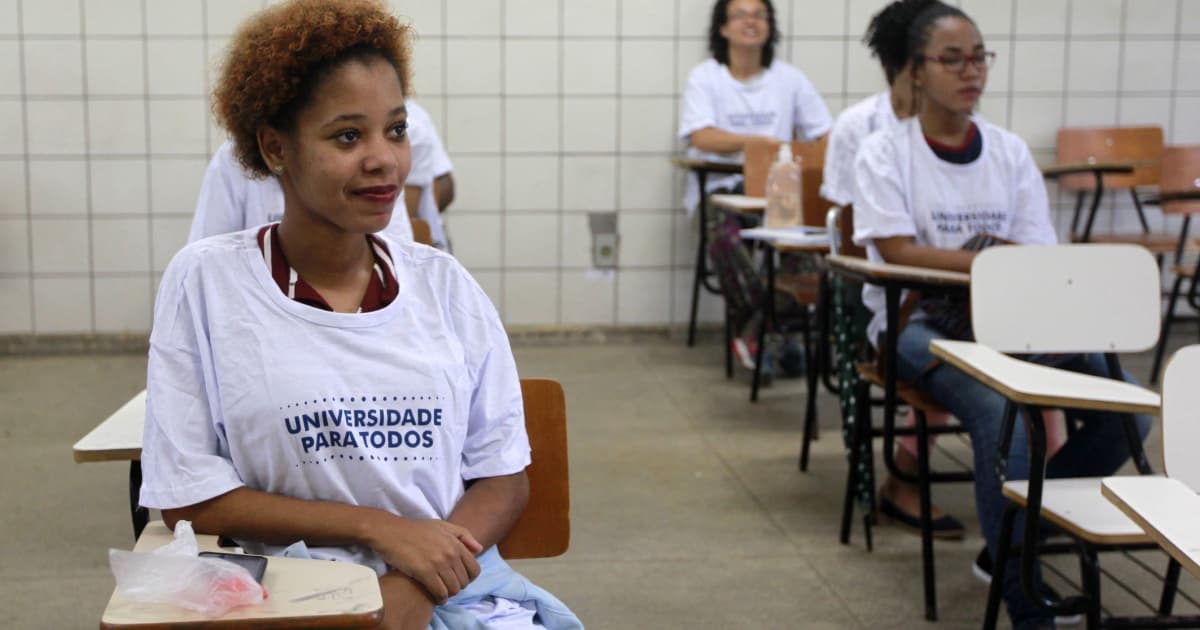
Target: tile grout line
[[31, 293]]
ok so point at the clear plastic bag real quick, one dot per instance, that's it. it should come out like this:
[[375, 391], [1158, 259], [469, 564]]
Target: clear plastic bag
[[174, 574]]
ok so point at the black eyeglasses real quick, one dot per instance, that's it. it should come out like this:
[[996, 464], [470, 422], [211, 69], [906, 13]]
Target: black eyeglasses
[[957, 63]]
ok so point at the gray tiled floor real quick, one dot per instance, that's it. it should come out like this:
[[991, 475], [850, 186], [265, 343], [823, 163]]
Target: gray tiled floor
[[688, 509]]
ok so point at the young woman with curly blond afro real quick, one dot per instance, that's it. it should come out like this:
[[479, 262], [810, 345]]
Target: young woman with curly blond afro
[[312, 381]]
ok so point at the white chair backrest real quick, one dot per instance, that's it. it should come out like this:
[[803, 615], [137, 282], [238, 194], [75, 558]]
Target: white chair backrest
[[1180, 424], [1065, 298]]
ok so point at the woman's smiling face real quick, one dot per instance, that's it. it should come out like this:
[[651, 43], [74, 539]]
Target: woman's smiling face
[[347, 157], [747, 24]]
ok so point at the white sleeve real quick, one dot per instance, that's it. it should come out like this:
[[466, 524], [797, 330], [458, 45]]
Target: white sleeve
[[220, 208], [837, 184], [811, 116], [439, 160], [1031, 216], [496, 442], [880, 209], [697, 110], [185, 458], [420, 138], [400, 227]]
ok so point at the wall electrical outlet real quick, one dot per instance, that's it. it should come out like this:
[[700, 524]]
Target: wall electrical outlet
[[605, 239], [604, 251]]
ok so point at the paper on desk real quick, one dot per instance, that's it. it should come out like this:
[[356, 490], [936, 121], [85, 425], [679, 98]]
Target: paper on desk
[[798, 235], [174, 574]]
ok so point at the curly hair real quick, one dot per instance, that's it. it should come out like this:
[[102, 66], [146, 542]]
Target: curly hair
[[278, 58], [719, 46], [887, 34]]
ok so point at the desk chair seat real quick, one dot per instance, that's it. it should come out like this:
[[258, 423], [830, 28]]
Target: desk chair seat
[[800, 288], [912, 396], [1077, 508]]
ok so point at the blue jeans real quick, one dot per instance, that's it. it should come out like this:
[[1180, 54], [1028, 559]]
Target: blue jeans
[[1097, 449]]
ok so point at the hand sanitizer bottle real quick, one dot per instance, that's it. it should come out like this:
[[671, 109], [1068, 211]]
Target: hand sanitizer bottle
[[783, 190]]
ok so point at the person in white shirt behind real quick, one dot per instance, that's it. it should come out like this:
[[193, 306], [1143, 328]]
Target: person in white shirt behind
[[887, 38], [926, 188], [232, 199], [429, 189], [744, 93]]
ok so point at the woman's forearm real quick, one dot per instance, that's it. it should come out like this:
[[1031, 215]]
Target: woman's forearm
[[902, 250], [713, 140], [491, 506], [280, 520]]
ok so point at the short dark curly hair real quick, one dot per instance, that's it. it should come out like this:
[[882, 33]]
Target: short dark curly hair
[[279, 56], [719, 46]]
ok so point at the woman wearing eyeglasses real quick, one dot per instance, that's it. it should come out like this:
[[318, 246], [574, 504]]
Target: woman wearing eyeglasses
[[744, 93], [926, 188]]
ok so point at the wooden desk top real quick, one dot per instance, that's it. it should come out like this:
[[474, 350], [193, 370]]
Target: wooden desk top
[[739, 203], [694, 164], [1032, 384], [119, 437], [1177, 195], [883, 272], [1167, 509], [1055, 171], [301, 593]]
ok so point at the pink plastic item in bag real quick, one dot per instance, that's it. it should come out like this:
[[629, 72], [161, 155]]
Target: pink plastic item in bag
[[174, 574]]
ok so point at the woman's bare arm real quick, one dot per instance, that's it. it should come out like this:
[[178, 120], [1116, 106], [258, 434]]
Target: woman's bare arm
[[903, 250], [491, 506], [713, 140]]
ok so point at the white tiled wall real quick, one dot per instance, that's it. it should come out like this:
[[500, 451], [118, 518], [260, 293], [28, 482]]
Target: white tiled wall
[[551, 109]]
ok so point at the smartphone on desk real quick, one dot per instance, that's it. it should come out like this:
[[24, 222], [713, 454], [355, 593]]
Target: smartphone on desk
[[256, 565]]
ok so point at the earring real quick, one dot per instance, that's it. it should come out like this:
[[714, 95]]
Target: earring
[[278, 169]]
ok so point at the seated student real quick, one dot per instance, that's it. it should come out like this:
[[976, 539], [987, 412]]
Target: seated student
[[898, 500], [429, 189], [319, 380], [232, 199], [743, 94], [923, 189]]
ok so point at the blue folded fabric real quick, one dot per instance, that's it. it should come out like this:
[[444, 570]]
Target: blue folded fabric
[[498, 579]]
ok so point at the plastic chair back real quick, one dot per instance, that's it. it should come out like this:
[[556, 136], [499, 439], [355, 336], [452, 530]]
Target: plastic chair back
[[1180, 425], [1065, 298]]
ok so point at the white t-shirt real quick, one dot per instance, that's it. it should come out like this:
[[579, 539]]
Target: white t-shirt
[[429, 161], [779, 102], [904, 189], [392, 409], [852, 126]]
